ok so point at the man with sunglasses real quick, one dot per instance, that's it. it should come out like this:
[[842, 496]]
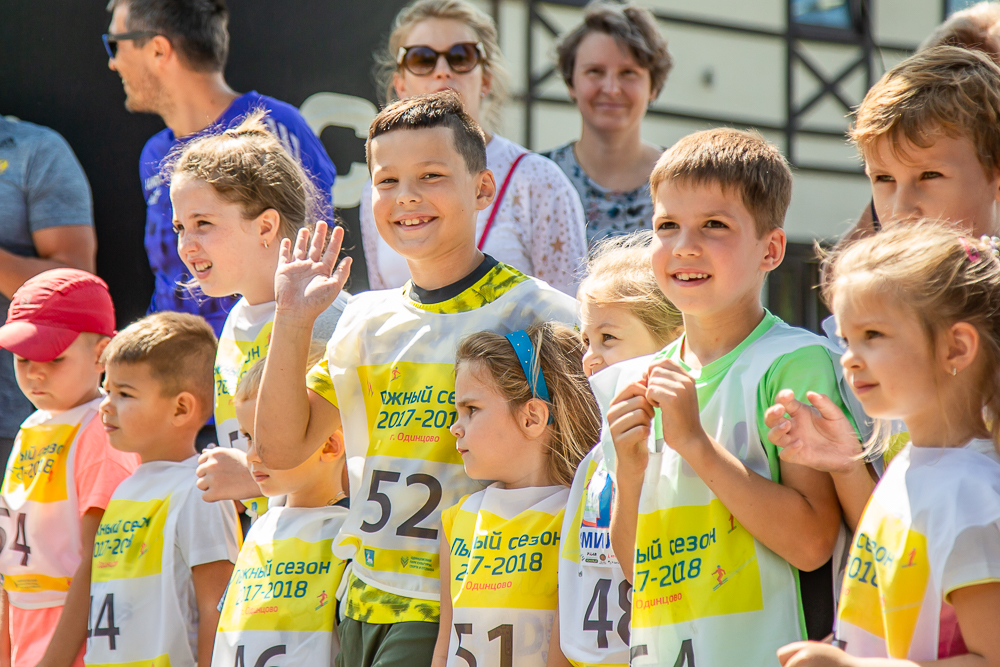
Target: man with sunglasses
[[170, 55]]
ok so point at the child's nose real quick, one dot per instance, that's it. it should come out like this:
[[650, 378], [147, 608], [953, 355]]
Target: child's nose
[[105, 407]]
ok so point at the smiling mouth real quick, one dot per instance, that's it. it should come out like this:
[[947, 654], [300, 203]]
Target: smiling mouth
[[415, 222], [201, 267], [690, 276]]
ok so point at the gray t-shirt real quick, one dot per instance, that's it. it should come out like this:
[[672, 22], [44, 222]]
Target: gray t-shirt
[[42, 185]]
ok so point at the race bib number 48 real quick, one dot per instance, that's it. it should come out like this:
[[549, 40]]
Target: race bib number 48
[[692, 562]]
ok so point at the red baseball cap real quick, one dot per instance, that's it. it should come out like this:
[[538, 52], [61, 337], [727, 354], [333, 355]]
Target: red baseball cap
[[50, 310]]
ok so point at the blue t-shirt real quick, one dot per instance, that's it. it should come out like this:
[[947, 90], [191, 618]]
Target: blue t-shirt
[[169, 271], [41, 186]]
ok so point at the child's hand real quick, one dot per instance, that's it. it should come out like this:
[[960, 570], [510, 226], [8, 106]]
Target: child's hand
[[305, 283], [818, 436], [673, 391], [813, 654], [630, 419], [223, 475]]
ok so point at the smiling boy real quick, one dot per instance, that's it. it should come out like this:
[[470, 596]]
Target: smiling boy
[[715, 574], [388, 378]]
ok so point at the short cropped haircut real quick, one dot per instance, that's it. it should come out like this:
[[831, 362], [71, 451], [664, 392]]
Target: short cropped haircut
[[734, 159], [442, 109], [944, 90], [633, 28], [179, 349], [196, 28], [249, 383], [976, 28]]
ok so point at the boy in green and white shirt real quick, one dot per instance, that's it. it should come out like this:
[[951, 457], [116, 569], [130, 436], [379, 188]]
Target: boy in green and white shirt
[[388, 376], [695, 522]]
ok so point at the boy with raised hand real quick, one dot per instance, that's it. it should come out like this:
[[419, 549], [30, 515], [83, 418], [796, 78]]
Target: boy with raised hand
[[62, 470], [930, 153], [163, 556], [718, 525], [388, 377]]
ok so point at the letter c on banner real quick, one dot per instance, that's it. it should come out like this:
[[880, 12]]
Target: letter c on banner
[[323, 110]]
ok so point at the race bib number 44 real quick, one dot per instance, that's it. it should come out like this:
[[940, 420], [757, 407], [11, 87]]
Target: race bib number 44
[[692, 562]]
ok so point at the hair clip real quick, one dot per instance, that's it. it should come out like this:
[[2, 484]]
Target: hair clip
[[970, 250], [531, 365], [993, 242]]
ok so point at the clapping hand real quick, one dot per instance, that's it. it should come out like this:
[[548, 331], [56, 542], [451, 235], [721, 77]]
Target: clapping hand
[[817, 435]]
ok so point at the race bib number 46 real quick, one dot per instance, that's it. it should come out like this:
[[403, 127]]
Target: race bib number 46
[[692, 562]]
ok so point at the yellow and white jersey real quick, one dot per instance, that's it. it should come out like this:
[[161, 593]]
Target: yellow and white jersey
[[595, 598], [280, 601], [39, 508], [504, 575], [390, 369], [244, 341], [932, 526], [156, 528], [705, 590]]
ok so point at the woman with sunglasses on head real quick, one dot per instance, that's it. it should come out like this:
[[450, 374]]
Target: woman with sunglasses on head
[[536, 223], [615, 64]]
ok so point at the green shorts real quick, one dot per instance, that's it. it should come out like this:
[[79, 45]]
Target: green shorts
[[408, 644]]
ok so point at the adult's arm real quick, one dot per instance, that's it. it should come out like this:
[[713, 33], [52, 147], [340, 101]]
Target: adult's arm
[[73, 246]]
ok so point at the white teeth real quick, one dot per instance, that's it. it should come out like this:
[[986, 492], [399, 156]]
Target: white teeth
[[413, 221], [202, 266], [692, 276]]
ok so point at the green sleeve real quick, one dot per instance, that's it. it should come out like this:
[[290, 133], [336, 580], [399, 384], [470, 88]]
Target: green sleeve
[[806, 369]]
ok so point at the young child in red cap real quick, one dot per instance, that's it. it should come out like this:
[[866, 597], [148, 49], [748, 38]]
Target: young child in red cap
[[62, 470]]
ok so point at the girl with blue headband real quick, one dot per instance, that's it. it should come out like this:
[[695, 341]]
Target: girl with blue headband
[[526, 417]]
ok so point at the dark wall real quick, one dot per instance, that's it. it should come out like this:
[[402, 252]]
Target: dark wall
[[54, 72]]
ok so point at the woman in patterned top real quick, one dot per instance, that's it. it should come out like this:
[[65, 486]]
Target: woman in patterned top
[[538, 223], [615, 63]]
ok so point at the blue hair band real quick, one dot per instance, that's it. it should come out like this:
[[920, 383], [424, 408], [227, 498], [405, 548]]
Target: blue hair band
[[525, 351]]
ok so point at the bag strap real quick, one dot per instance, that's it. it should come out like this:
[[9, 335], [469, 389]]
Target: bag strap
[[499, 200]]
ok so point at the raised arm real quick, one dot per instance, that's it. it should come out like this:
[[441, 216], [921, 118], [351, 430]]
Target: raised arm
[[806, 500], [292, 421], [630, 420]]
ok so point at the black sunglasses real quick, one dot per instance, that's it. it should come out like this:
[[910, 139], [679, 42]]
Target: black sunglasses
[[421, 60], [111, 39]]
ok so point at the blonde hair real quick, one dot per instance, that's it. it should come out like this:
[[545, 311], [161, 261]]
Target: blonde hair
[[576, 425], [733, 159], [179, 350], [976, 28], [942, 277], [494, 67], [249, 166], [619, 274], [248, 385], [944, 89]]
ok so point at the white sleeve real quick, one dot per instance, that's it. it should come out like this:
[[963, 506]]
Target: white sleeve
[[207, 532], [974, 559], [558, 226], [369, 238]]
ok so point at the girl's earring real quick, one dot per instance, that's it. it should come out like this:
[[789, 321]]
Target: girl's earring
[[954, 371], [265, 245]]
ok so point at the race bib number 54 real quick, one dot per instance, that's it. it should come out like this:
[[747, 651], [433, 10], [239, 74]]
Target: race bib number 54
[[691, 562]]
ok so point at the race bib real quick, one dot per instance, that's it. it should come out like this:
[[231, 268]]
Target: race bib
[[704, 565]]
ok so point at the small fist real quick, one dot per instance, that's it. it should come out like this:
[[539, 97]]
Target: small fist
[[223, 475], [674, 392], [630, 420]]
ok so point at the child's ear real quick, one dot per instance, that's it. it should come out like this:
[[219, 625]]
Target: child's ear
[[333, 448], [486, 189], [534, 418], [99, 350], [185, 408], [961, 345], [776, 242], [268, 225]]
